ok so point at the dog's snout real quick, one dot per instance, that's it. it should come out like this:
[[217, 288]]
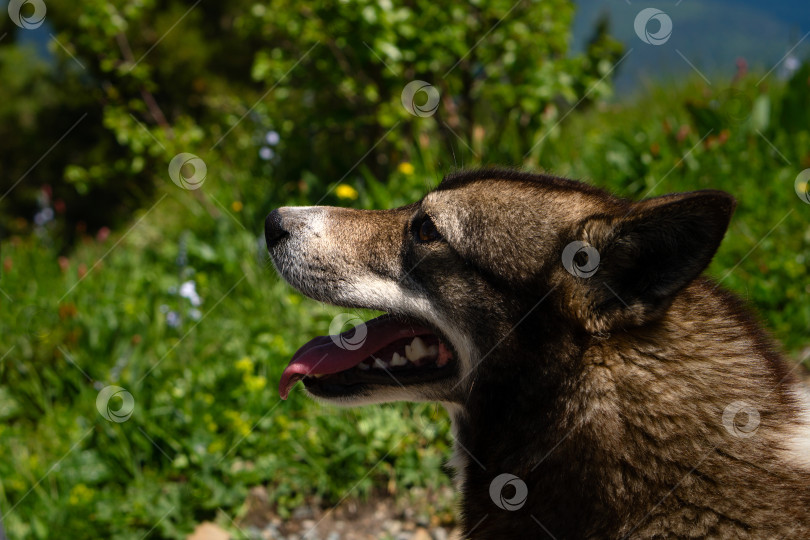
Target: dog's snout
[[274, 230]]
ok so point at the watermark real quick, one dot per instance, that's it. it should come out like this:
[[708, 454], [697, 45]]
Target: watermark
[[32, 21], [802, 186], [580, 259], [516, 501], [642, 24], [741, 419], [338, 330], [39, 323], [408, 97], [735, 106], [187, 171], [120, 414]]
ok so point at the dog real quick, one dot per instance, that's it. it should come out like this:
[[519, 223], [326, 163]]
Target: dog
[[598, 385]]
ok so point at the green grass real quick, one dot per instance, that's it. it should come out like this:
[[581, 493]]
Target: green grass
[[208, 423]]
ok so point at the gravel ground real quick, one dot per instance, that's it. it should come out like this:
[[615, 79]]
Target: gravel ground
[[411, 517]]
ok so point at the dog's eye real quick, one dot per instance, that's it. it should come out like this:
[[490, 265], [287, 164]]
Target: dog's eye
[[426, 230]]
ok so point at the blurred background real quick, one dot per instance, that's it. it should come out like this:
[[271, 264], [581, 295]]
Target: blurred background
[[142, 328]]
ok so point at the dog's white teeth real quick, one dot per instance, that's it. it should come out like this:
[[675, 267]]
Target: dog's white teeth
[[416, 350], [398, 360], [415, 354]]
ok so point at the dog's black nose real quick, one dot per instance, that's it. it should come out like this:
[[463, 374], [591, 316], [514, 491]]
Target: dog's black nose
[[274, 229]]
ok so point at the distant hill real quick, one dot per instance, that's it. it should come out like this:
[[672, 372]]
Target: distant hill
[[711, 34]]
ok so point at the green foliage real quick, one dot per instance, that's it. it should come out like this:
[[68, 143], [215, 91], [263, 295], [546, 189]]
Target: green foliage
[[144, 81], [208, 422], [360, 55]]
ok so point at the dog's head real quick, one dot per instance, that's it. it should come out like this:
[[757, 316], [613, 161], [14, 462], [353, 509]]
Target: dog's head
[[490, 263]]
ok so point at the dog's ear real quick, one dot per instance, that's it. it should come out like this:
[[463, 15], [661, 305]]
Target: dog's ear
[[629, 268]]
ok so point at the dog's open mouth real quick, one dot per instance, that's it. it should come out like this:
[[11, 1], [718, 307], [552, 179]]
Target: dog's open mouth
[[385, 351]]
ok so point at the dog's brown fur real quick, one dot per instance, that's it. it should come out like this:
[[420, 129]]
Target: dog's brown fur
[[605, 395], [637, 448]]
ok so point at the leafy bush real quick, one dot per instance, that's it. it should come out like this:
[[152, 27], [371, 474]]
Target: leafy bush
[[267, 90]]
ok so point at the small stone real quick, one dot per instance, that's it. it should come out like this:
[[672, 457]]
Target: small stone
[[209, 531], [303, 512], [392, 526], [310, 532], [421, 534]]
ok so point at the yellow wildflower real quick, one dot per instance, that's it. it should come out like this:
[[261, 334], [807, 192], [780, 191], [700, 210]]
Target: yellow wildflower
[[238, 423], [345, 191], [237, 206], [80, 494], [405, 168], [216, 446], [245, 364], [255, 383]]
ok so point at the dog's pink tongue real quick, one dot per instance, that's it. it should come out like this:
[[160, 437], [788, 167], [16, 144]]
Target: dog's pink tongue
[[330, 354]]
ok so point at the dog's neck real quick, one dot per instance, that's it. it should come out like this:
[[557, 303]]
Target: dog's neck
[[615, 431]]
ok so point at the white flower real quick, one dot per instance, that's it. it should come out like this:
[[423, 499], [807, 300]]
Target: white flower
[[266, 153], [43, 216], [188, 290], [173, 319], [792, 63]]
